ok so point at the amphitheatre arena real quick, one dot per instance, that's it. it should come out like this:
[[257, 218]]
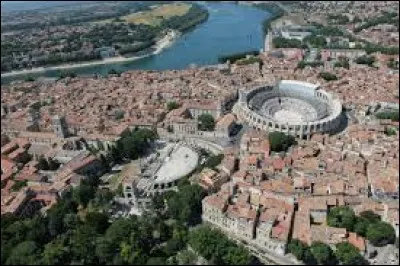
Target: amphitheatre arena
[[294, 107]]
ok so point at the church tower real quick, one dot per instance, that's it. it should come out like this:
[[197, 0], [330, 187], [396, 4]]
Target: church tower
[[60, 126]]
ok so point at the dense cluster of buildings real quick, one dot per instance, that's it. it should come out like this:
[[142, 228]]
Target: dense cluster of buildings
[[270, 197], [261, 197]]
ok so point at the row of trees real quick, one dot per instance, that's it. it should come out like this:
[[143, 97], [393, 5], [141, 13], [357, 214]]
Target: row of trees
[[320, 253], [48, 164], [196, 14], [133, 48], [248, 61], [328, 76], [282, 42], [302, 64], [394, 116], [338, 19], [237, 56], [365, 60], [386, 18], [315, 41]]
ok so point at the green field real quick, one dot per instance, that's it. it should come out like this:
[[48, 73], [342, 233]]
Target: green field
[[155, 16]]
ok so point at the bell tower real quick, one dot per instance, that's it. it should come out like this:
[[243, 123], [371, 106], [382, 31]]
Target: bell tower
[[60, 126]]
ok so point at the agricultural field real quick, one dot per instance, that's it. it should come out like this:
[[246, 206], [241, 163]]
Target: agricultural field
[[155, 16]]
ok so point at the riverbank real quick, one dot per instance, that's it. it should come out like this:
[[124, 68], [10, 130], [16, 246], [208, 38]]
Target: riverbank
[[162, 44], [200, 45]]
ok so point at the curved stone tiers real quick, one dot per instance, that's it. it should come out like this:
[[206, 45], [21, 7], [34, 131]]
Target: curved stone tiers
[[293, 107]]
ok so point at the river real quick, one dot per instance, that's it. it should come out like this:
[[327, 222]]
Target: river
[[230, 28]]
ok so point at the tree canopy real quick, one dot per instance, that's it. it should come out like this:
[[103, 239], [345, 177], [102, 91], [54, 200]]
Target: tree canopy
[[206, 122], [381, 233], [322, 253], [297, 248], [216, 247], [172, 105], [280, 141], [348, 254], [342, 217], [328, 76]]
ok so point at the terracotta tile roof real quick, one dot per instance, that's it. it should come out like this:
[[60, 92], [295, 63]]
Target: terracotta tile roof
[[357, 241], [242, 211]]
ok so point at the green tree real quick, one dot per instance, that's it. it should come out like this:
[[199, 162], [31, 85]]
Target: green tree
[[82, 243], [83, 194], [105, 249], [342, 217], [186, 257], [213, 161], [381, 233], [186, 205], [388, 115], [43, 164], [98, 221], [18, 185], [281, 42], [361, 226], [328, 76], [342, 63], [156, 261], [119, 114], [280, 141], [370, 216], [297, 248], [206, 122], [56, 252], [172, 105], [365, 60], [390, 131], [25, 253], [53, 164], [315, 41], [322, 253], [216, 247], [348, 254]]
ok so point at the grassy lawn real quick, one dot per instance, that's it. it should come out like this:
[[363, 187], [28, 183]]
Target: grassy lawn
[[155, 16]]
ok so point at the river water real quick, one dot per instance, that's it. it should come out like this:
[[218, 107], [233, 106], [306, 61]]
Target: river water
[[230, 28]]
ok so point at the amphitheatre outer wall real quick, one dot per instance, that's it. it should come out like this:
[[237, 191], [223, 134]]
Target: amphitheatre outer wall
[[327, 119]]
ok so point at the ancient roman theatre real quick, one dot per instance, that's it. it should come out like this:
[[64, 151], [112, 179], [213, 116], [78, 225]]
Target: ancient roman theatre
[[294, 107]]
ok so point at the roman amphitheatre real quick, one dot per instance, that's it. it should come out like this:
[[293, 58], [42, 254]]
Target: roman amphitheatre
[[294, 107]]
